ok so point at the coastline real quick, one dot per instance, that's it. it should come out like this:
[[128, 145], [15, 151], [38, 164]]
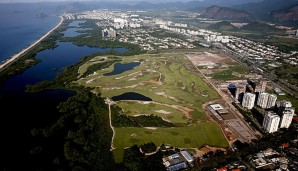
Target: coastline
[[22, 52]]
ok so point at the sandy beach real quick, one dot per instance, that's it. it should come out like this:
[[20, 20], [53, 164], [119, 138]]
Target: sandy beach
[[18, 55]]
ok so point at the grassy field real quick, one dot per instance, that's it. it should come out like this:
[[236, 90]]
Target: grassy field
[[161, 77], [177, 96], [181, 137], [227, 73]]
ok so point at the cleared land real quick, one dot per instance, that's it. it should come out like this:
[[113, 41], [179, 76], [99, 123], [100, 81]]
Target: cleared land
[[177, 96]]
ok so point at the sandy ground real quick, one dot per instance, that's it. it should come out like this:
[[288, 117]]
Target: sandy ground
[[208, 59], [16, 56]]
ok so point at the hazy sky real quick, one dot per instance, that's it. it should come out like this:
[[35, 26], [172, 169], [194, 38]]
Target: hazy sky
[[5, 1]]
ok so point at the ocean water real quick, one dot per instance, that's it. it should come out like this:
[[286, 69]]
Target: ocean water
[[21, 25]]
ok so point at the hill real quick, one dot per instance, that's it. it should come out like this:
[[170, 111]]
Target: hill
[[224, 13], [223, 26], [259, 27], [288, 15], [262, 10]]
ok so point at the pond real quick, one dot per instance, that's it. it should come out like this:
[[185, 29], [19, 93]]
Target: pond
[[120, 68], [131, 96]]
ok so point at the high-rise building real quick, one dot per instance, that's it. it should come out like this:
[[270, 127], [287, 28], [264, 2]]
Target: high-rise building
[[271, 122], [110, 33], [286, 112], [263, 100], [248, 100], [271, 100], [282, 105], [266, 100], [286, 118]]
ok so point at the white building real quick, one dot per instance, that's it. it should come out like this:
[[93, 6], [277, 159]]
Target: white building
[[110, 33], [266, 100], [286, 118], [271, 100], [263, 100], [271, 122], [286, 111], [248, 100]]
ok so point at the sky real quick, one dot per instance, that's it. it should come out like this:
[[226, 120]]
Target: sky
[[6, 1]]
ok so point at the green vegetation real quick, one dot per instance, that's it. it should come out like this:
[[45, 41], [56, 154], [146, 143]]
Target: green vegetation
[[148, 147], [177, 96], [134, 160], [92, 38], [259, 27], [231, 73], [223, 26], [246, 151], [84, 121], [248, 115], [292, 99], [201, 134], [121, 120]]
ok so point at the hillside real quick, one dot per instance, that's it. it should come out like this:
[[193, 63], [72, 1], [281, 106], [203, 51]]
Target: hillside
[[262, 10], [223, 26], [288, 15], [259, 27], [224, 13]]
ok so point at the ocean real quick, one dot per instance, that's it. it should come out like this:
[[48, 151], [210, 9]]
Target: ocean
[[23, 24]]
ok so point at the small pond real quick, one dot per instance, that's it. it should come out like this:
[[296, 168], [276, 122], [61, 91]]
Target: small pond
[[120, 68], [131, 96]]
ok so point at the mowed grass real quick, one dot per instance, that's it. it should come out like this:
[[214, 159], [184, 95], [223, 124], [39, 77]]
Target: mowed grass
[[167, 113], [181, 137], [227, 74], [165, 79], [118, 155], [161, 77]]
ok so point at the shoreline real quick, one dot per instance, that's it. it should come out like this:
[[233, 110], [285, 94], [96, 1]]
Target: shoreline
[[22, 52]]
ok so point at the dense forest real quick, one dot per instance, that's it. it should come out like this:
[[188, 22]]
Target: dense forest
[[84, 124]]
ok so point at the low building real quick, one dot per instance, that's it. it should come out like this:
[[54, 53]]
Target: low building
[[217, 110], [178, 161]]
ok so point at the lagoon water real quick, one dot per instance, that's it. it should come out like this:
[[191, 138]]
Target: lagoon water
[[20, 112]]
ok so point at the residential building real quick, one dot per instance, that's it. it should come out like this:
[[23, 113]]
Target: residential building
[[287, 117], [266, 100], [248, 100], [263, 100], [110, 33], [271, 100], [271, 122]]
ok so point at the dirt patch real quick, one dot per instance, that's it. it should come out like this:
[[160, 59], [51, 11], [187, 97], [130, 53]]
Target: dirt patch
[[208, 59]]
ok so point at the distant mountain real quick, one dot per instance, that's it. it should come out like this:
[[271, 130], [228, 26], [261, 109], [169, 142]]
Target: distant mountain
[[259, 27], [224, 13], [262, 10], [223, 26], [288, 15]]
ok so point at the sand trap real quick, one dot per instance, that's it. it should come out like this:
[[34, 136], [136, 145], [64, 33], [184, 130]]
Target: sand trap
[[151, 128], [163, 112]]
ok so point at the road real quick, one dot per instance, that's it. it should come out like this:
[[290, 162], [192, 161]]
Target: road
[[238, 115], [109, 102], [268, 76]]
